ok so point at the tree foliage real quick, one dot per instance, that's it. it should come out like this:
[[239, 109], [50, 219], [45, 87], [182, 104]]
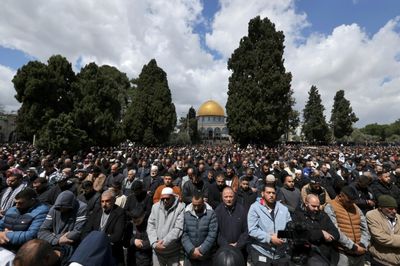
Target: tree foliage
[[342, 116], [315, 127], [380, 131], [151, 116], [98, 110], [67, 111], [259, 93], [61, 134], [45, 92], [188, 124]]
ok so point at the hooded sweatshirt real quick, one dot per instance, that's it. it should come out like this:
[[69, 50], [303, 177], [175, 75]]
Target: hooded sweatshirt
[[56, 223]]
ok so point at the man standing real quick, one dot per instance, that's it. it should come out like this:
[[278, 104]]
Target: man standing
[[89, 196], [289, 195], [314, 187], [265, 218], [110, 219], [352, 226], [98, 178], [164, 229], [232, 213], [321, 232], [167, 183], [385, 186], [128, 181], [194, 185], [245, 195], [231, 179], [15, 185], [384, 225], [64, 223], [215, 191], [115, 176], [199, 232], [152, 181], [22, 222]]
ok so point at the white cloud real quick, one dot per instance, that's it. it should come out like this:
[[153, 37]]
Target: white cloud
[[7, 92], [231, 22], [364, 67], [127, 34]]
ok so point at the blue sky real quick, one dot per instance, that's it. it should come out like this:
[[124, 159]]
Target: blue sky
[[334, 44], [325, 15]]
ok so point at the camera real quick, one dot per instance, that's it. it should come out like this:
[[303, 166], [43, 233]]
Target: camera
[[297, 235]]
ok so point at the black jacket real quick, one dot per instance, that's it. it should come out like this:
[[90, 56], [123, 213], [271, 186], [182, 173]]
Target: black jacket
[[214, 195], [137, 256], [143, 199], [378, 188], [232, 224], [114, 229], [246, 198], [315, 224], [92, 200], [151, 184], [364, 194], [189, 188]]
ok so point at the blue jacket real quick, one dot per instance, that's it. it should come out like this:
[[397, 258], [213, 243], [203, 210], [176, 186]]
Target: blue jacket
[[25, 226], [199, 231], [262, 226]]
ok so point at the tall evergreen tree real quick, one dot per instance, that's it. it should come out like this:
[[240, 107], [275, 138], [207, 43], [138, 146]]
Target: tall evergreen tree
[[45, 92], [315, 127], [151, 116], [103, 93], [342, 116], [259, 93], [189, 124]]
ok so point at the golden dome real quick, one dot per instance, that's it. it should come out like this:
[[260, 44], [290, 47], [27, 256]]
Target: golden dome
[[210, 108]]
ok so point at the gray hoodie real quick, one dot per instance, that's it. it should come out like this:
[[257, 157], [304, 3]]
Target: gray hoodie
[[56, 223], [166, 225]]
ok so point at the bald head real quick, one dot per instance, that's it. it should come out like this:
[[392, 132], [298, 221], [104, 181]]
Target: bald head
[[228, 196], [312, 203]]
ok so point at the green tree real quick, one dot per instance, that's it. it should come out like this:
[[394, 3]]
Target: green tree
[[342, 116], [381, 131], [151, 116], [190, 121], [102, 94], [315, 127], [61, 134], [294, 122], [45, 92], [259, 93]]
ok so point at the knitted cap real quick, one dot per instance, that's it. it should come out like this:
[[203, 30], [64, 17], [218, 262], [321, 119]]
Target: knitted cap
[[387, 201]]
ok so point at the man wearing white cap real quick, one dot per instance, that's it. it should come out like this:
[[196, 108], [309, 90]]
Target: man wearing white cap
[[165, 227]]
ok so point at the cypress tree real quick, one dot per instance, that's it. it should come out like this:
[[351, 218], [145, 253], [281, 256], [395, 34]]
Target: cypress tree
[[151, 116], [315, 127], [259, 93], [102, 95], [342, 116]]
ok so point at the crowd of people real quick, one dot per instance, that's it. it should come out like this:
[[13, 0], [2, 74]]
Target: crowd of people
[[199, 205]]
